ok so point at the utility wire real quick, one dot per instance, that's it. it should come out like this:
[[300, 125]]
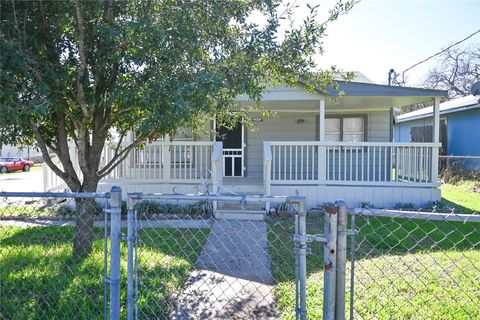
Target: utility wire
[[436, 54]]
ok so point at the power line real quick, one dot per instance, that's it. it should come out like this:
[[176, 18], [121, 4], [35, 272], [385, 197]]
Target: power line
[[438, 53]]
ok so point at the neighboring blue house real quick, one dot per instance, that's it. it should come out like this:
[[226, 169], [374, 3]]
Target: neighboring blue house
[[459, 128]]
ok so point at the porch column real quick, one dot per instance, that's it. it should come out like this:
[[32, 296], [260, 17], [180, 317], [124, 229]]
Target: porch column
[[435, 138], [322, 176], [166, 158]]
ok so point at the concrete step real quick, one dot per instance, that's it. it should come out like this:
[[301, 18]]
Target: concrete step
[[254, 215]]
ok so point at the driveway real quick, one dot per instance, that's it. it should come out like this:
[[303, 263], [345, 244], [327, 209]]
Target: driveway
[[22, 181]]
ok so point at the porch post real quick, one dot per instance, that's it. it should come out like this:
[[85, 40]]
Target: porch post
[[322, 171], [435, 138], [166, 158]]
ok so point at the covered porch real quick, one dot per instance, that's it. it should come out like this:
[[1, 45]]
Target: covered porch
[[314, 146]]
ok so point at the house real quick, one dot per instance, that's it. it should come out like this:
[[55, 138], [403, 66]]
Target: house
[[7, 150], [459, 129], [315, 146]]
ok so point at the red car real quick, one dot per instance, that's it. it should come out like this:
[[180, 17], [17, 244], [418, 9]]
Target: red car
[[14, 164]]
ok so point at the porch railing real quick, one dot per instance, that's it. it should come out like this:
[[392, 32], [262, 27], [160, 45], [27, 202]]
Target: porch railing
[[171, 162], [360, 163]]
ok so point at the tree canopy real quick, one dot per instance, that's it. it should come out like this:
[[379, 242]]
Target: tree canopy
[[80, 70]]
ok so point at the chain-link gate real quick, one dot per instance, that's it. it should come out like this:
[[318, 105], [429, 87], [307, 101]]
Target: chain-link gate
[[185, 264]]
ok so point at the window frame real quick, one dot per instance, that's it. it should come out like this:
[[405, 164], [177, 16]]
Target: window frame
[[342, 117]]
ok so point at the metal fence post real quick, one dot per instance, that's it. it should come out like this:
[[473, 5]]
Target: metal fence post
[[300, 257], [330, 265], [341, 259], [131, 236], [115, 236]]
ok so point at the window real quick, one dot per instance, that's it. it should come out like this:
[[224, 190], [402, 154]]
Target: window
[[350, 129]]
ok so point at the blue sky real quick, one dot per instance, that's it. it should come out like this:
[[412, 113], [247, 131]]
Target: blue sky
[[381, 34]]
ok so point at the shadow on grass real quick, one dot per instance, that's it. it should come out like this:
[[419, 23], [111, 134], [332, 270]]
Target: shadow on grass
[[41, 279]]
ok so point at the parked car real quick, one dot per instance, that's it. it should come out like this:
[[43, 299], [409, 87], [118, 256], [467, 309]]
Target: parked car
[[14, 164]]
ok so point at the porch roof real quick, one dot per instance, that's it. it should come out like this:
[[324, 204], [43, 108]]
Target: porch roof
[[360, 89], [357, 96]]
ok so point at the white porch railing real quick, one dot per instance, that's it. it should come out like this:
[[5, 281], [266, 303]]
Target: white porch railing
[[361, 163], [170, 162], [52, 182]]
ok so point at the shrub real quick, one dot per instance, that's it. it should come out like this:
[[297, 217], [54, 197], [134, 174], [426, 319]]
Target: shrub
[[148, 208], [404, 206], [366, 205], [438, 205]]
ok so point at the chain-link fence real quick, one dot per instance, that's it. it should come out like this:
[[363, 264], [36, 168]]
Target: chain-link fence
[[41, 277], [181, 259], [416, 265], [455, 168]]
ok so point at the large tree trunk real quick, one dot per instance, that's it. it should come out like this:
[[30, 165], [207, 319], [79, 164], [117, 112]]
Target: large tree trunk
[[86, 210]]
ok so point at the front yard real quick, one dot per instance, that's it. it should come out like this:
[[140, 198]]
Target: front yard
[[41, 279], [404, 269], [463, 195]]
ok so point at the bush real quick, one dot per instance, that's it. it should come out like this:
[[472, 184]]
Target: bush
[[438, 205], [366, 205], [148, 208], [405, 206]]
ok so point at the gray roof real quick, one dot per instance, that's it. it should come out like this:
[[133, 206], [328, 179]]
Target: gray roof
[[380, 90], [451, 106]]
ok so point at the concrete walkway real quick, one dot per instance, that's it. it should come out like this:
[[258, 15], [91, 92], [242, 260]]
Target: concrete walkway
[[232, 279]]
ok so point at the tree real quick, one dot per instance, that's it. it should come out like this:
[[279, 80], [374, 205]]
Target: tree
[[79, 70], [457, 70]]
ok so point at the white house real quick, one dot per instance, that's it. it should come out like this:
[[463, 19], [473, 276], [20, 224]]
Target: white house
[[314, 146]]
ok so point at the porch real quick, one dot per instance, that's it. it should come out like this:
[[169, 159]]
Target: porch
[[322, 148], [377, 172]]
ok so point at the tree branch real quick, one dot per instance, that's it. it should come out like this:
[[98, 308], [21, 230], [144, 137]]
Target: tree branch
[[83, 59], [118, 157]]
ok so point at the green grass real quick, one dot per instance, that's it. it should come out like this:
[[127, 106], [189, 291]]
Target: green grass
[[461, 196], [404, 269], [39, 277]]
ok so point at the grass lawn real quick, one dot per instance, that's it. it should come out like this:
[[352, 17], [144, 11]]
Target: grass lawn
[[40, 279], [404, 269], [461, 196]]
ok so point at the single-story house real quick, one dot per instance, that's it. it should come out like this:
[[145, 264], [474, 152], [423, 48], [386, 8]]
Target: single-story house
[[459, 129], [322, 148]]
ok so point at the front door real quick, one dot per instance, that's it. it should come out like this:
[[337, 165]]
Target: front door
[[233, 150]]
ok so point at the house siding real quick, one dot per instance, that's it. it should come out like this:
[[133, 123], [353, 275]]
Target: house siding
[[463, 136]]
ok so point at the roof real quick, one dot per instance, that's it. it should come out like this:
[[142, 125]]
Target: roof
[[381, 90], [361, 86], [461, 104]]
